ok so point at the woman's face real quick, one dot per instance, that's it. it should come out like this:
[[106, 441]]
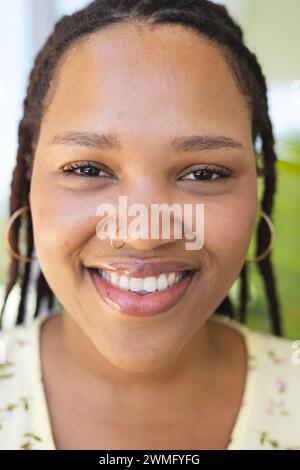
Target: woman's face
[[147, 88]]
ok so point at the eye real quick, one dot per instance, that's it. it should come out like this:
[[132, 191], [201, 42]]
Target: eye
[[84, 168], [206, 173]]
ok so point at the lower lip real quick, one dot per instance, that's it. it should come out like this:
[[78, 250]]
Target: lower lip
[[140, 305]]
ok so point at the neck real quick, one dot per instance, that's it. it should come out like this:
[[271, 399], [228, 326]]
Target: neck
[[191, 365]]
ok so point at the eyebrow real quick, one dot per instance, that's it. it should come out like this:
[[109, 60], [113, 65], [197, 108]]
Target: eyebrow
[[191, 143]]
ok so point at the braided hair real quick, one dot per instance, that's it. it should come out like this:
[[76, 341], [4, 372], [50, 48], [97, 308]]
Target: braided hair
[[209, 20]]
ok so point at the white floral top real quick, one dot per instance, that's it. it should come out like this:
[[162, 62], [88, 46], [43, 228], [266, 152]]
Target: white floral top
[[269, 417]]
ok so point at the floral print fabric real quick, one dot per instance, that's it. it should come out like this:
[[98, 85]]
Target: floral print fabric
[[269, 416]]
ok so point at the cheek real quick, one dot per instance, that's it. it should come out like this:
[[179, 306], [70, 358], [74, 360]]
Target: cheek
[[228, 230], [62, 224]]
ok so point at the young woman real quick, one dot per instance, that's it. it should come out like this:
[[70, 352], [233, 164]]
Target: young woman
[[162, 102]]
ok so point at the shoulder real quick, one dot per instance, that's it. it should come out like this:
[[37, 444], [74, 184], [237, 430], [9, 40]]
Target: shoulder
[[273, 356], [278, 351], [17, 348], [19, 379], [274, 412], [13, 341], [271, 412], [277, 360], [276, 365]]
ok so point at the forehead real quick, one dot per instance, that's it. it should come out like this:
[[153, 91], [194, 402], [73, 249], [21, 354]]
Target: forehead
[[146, 80]]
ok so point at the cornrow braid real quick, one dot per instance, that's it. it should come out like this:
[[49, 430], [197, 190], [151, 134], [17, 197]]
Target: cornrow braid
[[209, 20]]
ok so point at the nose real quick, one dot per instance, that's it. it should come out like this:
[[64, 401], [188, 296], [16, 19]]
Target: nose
[[146, 227], [147, 218]]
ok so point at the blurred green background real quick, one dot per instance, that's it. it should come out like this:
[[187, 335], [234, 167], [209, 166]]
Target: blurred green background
[[271, 30]]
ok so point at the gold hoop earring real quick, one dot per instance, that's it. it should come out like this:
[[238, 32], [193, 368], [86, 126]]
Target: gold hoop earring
[[112, 241], [272, 238], [11, 220]]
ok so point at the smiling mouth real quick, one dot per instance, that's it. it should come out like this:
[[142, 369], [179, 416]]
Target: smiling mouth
[[142, 285], [141, 296]]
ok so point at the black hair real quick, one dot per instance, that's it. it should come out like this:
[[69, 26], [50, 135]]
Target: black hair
[[211, 21]]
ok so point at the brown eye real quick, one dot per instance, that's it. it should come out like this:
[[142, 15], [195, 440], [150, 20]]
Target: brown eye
[[88, 171], [206, 174], [85, 169]]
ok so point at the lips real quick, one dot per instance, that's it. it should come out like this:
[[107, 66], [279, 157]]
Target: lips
[[141, 303]]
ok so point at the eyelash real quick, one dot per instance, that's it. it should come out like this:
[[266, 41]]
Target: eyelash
[[72, 167], [209, 170]]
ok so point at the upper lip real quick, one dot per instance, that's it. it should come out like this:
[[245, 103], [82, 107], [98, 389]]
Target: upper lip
[[144, 267]]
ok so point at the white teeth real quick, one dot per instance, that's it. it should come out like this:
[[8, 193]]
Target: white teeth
[[137, 284], [114, 279], [171, 279], [162, 282], [150, 284], [124, 282]]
